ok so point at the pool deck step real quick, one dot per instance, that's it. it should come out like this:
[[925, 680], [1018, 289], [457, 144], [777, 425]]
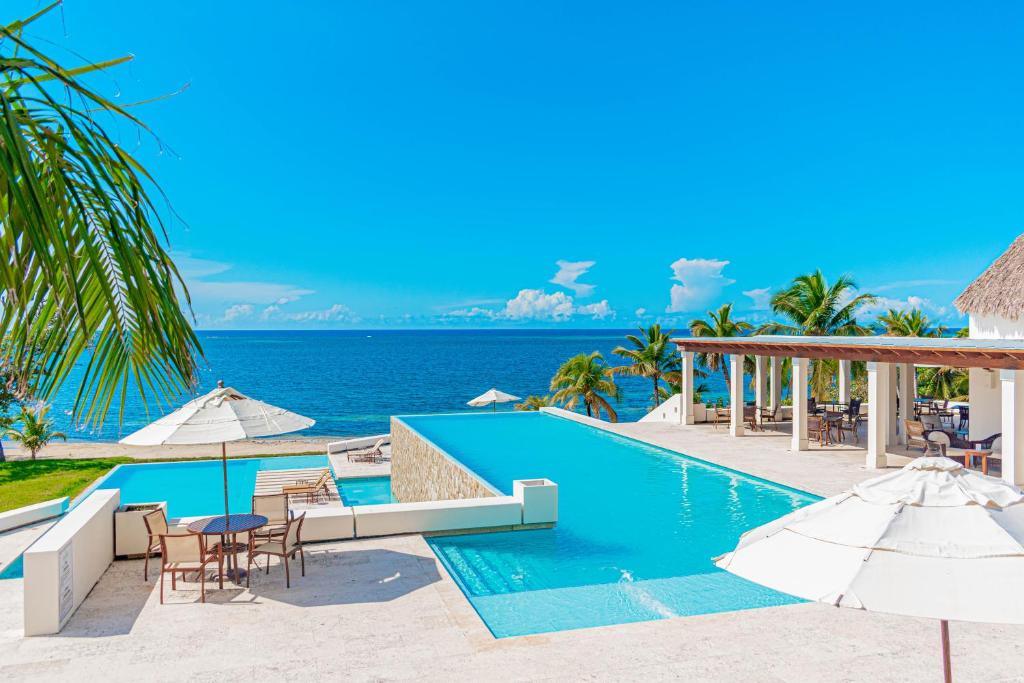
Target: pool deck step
[[271, 481]]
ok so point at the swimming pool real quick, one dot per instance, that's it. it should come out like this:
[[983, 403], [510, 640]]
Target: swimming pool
[[365, 490], [196, 487], [637, 527]]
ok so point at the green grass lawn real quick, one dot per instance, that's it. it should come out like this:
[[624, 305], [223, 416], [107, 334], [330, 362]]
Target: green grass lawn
[[25, 482]]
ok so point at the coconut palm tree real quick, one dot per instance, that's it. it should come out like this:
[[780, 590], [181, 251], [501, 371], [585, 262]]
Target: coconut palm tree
[[586, 378], [534, 402], [85, 283], [718, 324], [811, 306], [651, 354], [913, 323], [943, 382], [36, 429]]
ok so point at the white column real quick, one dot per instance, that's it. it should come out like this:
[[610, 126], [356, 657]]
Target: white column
[[736, 394], [798, 390], [776, 382], [845, 379], [907, 390], [1013, 425], [879, 410], [760, 383], [892, 433], [686, 390]]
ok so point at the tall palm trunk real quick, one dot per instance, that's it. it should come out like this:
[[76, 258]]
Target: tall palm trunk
[[656, 397]]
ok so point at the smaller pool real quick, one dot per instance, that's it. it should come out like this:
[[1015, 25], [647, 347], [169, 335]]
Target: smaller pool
[[365, 491], [15, 570]]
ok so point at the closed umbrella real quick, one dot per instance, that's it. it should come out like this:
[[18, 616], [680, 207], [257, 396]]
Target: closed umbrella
[[933, 539], [220, 416], [492, 397]]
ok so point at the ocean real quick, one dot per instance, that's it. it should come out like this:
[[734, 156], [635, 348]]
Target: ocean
[[351, 382]]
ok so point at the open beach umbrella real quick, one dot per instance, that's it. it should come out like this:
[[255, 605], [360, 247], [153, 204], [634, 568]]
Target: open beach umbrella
[[931, 540], [220, 416], [492, 397]]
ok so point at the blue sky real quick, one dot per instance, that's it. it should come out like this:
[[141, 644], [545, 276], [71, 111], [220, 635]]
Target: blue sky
[[411, 164]]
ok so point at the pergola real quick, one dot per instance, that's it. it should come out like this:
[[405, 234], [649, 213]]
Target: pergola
[[883, 356]]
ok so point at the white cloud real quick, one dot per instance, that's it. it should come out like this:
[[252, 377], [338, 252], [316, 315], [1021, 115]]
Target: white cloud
[[700, 283], [536, 304], [204, 291], [761, 298], [882, 304], [901, 284], [599, 311], [568, 274], [238, 311], [269, 312], [335, 313], [640, 312]]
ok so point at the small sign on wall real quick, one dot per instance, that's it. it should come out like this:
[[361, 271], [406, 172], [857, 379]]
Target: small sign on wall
[[66, 582]]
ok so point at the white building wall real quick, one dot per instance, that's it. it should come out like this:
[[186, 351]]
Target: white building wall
[[985, 392], [995, 327]]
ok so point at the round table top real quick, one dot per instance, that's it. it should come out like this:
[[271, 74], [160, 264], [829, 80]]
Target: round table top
[[216, 526]]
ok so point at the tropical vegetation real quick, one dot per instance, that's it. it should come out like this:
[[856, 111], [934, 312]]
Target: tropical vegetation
[[26, 482], [533, 402], [587, 379], [36, 429], [85, 281], [913, 323], [652, 355], [719, 323], [811, 306]]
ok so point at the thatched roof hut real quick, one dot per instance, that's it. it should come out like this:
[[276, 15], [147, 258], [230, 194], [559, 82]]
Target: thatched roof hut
[[999, 291]]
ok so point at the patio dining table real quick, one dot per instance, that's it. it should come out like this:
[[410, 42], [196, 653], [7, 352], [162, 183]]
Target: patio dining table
[[228, 527]]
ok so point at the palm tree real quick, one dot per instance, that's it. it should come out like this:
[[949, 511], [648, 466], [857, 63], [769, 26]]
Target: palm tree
[[914, 323], [586, 378], [533, 402], [652, 356], [813, 307], [36, 429], [943, 382], [85, 276], [718, 324]]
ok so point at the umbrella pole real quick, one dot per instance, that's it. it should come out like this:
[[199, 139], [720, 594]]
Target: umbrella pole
[[224, 463], [947, 668]]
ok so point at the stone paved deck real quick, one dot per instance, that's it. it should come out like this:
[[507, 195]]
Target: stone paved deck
[[385, 609], [269, 482]]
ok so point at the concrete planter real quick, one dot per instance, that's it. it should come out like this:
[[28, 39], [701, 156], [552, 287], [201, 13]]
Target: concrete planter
[[130, 535]]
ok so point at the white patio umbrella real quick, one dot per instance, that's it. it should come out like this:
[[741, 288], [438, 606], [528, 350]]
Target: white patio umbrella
[[931, 540], [492, 397], [220, 416]]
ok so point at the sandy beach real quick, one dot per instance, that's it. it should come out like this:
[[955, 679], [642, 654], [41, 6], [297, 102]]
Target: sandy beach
[[93, 449]]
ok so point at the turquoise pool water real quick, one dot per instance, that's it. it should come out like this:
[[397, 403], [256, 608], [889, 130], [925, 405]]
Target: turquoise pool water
[[197, 487], [15, 570], [365, 491], [637, 527]]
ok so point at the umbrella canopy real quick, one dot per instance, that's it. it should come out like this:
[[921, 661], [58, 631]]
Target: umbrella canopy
[[223, 414], [491, 397], [931, 540]]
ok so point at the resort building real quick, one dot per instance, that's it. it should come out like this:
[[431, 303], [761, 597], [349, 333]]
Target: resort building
[[993, 353]]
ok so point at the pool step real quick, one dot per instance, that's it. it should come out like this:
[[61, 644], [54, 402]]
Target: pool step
[[481, 575]]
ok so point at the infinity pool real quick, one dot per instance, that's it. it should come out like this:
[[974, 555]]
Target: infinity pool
[[637, 527], [196, 488], [365, 490]]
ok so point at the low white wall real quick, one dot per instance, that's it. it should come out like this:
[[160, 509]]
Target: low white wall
[[439, 515], [31, 514], [356, 443], [328, 524], [670, 411], [67, 561]]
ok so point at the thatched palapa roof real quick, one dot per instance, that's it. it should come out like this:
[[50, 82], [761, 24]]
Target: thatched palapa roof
[[999, 291]]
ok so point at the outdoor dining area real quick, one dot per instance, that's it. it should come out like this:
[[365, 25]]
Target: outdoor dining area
[[214, 543], [986, 432]]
